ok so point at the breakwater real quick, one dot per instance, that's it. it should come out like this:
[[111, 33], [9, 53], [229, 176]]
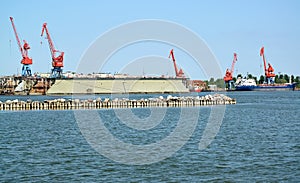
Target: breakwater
[[106, 103]]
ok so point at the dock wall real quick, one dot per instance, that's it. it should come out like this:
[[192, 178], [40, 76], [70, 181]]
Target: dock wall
[[109, 86]]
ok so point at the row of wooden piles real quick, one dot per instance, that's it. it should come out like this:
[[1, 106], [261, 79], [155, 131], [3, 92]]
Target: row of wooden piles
[[72, 104]]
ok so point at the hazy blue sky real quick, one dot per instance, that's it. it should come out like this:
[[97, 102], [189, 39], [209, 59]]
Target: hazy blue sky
[[226, 26]]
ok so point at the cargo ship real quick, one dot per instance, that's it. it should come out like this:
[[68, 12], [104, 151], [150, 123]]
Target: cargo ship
[[250, 85]]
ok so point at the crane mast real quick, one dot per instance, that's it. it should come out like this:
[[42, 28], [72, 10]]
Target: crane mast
[[269, 72], [57, 61], [229, 73], [26, 61], [180, 72]]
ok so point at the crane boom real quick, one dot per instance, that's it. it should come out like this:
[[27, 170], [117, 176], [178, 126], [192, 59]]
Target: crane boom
[[179, 73], [264, 59], [17, 37], [51, 46], [174, 61], [233, 62], [57, 61]]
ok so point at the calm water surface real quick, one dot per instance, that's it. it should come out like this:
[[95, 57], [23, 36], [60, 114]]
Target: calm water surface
[[258, 141]]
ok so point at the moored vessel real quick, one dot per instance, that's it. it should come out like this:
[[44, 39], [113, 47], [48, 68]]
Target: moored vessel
[[250, 85]]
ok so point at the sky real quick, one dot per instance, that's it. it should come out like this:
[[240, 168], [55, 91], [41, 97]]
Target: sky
[[225, 26]]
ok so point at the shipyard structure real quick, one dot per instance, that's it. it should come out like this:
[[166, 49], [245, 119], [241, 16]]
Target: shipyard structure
[[92, 85], [117, 85]]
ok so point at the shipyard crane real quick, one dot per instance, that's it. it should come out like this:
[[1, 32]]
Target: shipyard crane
[[26, 60], [57, 61], [229, 73], [269, 72], [179, 73]]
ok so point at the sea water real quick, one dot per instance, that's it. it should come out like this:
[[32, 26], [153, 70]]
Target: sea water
[[258, 140]]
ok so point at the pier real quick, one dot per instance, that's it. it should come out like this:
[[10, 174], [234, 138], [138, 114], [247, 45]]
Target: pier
[[75, 104]]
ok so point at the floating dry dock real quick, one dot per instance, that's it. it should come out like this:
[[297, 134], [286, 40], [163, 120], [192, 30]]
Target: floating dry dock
[[73, 104]]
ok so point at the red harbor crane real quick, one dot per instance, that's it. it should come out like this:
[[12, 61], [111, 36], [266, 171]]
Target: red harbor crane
[[229, 73], [26, 60], [57, 61], [180, 73], [269, 72]]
